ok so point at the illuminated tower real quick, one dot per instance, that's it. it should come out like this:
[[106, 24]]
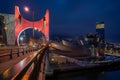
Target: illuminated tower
[[100, 31]]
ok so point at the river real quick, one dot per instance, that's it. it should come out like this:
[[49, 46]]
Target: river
[[110, 75]]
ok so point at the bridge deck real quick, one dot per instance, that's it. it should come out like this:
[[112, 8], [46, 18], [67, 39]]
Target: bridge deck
[[12, 62]]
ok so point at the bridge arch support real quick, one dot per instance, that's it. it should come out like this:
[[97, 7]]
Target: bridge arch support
[[21, 24]]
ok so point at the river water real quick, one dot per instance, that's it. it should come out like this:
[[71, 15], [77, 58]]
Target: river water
[[111, 75]]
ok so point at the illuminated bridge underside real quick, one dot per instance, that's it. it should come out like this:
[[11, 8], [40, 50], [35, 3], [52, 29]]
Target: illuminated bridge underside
[[21, 24]]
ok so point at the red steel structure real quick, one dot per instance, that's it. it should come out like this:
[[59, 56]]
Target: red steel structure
[[21, 24]]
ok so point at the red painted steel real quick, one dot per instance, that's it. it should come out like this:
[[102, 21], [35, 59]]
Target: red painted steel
[[21, 24]]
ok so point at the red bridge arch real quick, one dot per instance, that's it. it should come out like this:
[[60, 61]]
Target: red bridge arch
[[22, 24]]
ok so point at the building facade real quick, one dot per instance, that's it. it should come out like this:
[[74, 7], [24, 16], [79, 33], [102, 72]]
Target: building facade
[[100, 31], [7, 29]]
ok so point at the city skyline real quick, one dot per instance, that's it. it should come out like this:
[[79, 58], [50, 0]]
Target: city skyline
[[72, 17]]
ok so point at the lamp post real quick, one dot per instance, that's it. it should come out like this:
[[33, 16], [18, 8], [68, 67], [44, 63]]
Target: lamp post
[[27, 10], [33, 25]]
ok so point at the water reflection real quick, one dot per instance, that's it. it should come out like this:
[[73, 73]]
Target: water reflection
[[113, 75]]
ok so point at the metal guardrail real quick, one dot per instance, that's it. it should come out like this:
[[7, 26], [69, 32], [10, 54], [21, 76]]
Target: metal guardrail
[[42, 67], [30, 68], [10, 52]]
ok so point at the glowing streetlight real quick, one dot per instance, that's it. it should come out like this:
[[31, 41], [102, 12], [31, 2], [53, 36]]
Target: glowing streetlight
[[21, 38], [26, 9], [5, 28], [35, 28]]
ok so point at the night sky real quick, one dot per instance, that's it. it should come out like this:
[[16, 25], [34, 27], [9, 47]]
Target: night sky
[[72, 17]]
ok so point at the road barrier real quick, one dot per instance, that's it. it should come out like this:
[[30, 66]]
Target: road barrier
[[30, 68], [10, 52]]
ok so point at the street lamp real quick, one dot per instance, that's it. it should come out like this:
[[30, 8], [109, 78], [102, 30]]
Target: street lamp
[[27, 10]]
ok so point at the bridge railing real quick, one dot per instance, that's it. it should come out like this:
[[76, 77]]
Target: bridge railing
[[42, 67], [30, 68], [12, 51]]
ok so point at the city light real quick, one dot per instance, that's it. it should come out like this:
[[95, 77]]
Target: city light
[[5, 28], [35, 28], [21, 38], [26, 9], [52, 59]]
